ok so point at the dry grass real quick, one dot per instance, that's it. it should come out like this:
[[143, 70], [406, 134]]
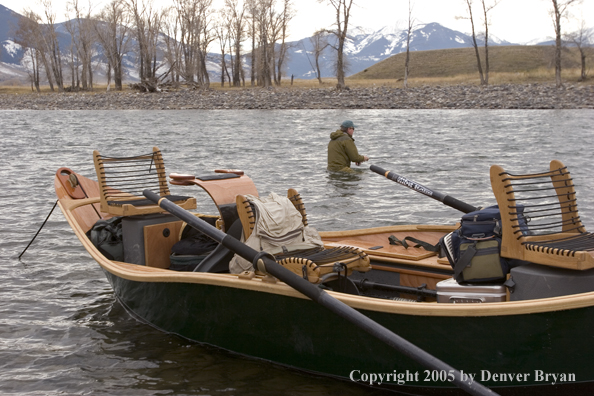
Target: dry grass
[[45, 89], [507, 64]]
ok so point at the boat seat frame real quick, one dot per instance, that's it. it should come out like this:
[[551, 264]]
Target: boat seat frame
[[223, 193], [123, 179], [539, 218], [313, 264]]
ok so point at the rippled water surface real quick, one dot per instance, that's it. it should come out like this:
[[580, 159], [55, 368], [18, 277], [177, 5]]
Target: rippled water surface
[[63, 332]]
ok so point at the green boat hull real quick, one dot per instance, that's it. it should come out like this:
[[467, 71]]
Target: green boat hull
[[544, 353]]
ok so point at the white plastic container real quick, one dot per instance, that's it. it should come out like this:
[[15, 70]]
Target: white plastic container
[[450, 291]]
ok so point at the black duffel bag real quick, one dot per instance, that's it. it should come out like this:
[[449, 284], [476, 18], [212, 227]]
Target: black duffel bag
[[106, 236]]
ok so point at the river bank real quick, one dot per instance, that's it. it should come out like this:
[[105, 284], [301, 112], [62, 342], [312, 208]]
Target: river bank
[[504, 96]]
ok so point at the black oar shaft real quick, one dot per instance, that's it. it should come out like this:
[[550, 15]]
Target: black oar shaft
[[441, 197], [365, 284], [318, 295]]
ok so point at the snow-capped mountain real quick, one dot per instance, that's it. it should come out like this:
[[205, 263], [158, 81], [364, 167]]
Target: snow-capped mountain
[[363, 49], [367, 48]]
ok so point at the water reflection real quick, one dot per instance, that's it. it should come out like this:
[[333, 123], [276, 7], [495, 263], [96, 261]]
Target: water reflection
[[345, 184], [132, 357]]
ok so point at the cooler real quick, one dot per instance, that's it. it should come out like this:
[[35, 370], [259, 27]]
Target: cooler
[[533, 281], [450, 291]]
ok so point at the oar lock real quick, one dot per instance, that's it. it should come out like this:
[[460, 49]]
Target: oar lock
[[259, 265], [73, 180]]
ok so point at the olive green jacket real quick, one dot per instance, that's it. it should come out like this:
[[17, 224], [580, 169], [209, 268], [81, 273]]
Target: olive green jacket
[[342, 151]]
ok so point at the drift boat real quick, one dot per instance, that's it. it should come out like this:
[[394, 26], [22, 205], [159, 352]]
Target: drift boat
[[535, 337]]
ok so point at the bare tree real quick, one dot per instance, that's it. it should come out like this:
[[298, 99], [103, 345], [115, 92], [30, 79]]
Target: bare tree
[[222, 33], [172, 53], [285, 17], [486, 9], [253, 16], [343, 13], [559, 11], [319, 42], [111, 27], [206, 36], [409, 29], [474, 43], [582, 38], [236, 26]]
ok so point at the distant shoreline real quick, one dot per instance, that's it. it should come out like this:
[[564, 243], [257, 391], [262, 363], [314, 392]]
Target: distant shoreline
[[503, 96]]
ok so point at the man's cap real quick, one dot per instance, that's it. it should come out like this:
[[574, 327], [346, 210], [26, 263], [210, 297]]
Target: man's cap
[[348, 124]]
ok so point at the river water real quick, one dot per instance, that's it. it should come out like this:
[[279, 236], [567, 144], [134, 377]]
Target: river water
[[62, 332]]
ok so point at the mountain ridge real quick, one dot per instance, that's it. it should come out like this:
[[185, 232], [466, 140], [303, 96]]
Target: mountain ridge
[[365, 48]]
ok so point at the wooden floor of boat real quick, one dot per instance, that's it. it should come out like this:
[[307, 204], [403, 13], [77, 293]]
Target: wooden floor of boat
[[375, 242]]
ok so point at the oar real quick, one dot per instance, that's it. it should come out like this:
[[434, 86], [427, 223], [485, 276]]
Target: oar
[[265, 263], [441, 197], [39, 230]]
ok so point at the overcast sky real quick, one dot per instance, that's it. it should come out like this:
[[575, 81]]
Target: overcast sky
[[517, 21]]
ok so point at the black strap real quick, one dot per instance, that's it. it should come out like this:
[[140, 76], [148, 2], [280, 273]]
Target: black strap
[[510, 284], [464, 261], [425, 245]]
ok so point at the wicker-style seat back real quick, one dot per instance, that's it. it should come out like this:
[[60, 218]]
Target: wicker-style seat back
[[540, 219], [123, 179]]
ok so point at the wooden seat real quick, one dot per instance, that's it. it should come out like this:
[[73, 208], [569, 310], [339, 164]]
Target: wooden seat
[[540, 219], [123, 179], [313, 264]]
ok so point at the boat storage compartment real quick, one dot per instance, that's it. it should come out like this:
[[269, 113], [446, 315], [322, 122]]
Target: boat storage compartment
[[450, 291], [534, 281], [148, 238]]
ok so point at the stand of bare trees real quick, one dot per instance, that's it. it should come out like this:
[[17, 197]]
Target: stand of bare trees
[[233, 31], [82, 31], [171, 45], [38, 33], [268, 29], [112, 32]]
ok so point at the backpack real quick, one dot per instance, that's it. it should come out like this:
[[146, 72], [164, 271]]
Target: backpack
[[474, 249]]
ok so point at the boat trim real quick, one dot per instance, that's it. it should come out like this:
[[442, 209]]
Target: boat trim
[[148, 274]]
